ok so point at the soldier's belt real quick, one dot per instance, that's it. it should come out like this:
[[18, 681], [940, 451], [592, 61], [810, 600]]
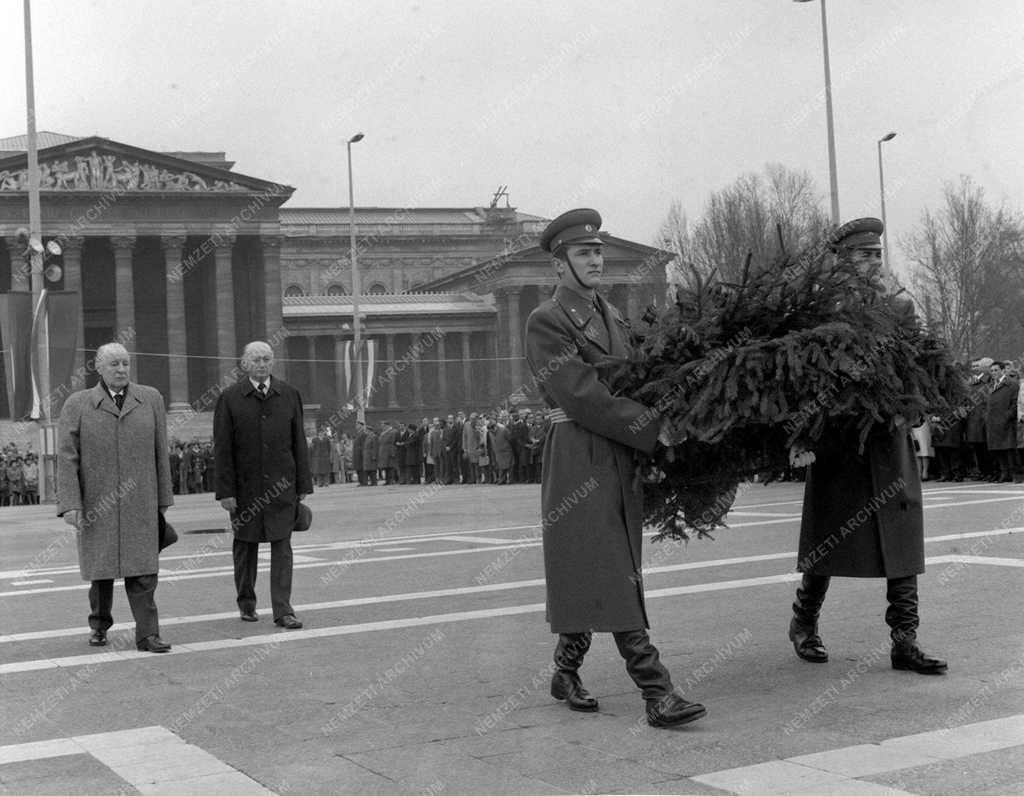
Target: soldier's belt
[[559, 416]]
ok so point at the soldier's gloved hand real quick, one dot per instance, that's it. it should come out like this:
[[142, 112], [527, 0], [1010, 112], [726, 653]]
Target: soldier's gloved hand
[[74, 519], [799, 456], [669, 435], [229, 504]]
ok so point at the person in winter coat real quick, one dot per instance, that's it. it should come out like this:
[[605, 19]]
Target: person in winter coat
[[262, 471], [113, 482], [591, 513], [1001, 419], [862, 513]]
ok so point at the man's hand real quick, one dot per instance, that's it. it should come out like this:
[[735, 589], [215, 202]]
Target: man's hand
[[800, 456], [303, 496], [668, 435], [74, 519], [229, 504]]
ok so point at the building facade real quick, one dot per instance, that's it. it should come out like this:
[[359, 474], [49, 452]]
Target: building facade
[[184, 260]]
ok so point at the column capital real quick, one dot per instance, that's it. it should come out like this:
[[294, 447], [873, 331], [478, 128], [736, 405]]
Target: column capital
[[171, 242], [72, 243], [122, 242], [223, 240]]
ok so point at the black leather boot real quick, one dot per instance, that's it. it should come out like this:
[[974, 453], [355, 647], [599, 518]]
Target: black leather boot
[[664, 707], [803, 627], [902, 618], [565, 682]]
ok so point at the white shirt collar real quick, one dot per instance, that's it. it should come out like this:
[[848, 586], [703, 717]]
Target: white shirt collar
[[256, 384]]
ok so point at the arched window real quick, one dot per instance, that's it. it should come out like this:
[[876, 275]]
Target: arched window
[[293, 290], [336, 290], [377, 289]]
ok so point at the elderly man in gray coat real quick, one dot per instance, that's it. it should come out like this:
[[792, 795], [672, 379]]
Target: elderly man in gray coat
[[113, 480]]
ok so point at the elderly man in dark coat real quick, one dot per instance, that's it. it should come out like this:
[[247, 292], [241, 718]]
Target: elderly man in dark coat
[[113, 482], [387, 452], [358, 443], [262, 464], [591, 512], [1001, 419], [862, 514]]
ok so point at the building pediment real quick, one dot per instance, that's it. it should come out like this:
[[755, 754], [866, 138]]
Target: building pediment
[[99, 165]]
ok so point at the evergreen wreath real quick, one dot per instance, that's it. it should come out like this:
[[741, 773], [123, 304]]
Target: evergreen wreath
[[802, 347]]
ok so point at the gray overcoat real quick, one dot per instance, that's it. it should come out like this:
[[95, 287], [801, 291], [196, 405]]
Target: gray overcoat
[[114, 467], [592, 511]]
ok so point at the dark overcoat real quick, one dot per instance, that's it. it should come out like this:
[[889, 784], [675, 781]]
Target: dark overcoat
[[370, 450], [592, 512], [977, 403], [321, 455], [1001, 415], [113, 466], [261, 458], [357, 450], [387, 454], [862, 514]]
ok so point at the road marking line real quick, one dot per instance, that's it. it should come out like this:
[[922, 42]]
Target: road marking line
[[30, 582], [389, 624], [839, 768], [150, 759], [476, 540]]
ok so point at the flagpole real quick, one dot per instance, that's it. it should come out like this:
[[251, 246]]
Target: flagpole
[[47, 446]]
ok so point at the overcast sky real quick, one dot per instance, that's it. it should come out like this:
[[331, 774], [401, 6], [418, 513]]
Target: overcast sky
[[623, 106]]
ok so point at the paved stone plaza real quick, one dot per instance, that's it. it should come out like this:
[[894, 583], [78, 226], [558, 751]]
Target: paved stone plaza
[[424, 661]]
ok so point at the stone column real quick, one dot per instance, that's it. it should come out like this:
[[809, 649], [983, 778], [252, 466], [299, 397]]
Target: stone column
[[177, 353], [123, 246], [73, 282], [515, 339], [417, 383], [442, 375], [314, 385], [272, 291], [21, 277], [224, 293], [389, 352], [467, 370]]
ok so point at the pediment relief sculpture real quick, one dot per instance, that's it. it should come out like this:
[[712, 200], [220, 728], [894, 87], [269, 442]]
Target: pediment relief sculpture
[[101, 172]]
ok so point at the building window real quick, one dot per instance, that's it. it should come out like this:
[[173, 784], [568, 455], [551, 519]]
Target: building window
[[377, 289], [336, 290], [292, 291]]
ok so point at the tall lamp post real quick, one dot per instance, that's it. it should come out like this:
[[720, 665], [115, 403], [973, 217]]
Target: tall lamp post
[[48, 446], [357, 339], [833, 177], [881, 191]]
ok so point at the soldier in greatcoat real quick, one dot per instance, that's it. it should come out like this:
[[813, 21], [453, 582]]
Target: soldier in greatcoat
[[262, 471], [591, 504], [113, 482], [862, 513]]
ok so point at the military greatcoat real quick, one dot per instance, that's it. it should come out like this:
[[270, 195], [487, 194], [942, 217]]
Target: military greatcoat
[[592, 510], [262, 459], [114, 467], [862, 514]]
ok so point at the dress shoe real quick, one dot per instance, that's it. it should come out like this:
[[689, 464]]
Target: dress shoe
[[98, 638], [672, 710], [807, 642], [567, 686], [152, 644], [288, 622], [911, 657], [248, 616]]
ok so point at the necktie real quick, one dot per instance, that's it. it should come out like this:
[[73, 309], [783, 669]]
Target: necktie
[[119, 400], [263, 390]]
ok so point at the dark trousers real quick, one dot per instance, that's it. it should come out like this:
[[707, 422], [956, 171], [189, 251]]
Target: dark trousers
[[141, 590], [246, 555]]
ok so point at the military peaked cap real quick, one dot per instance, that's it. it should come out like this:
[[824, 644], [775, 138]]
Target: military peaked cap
[[573, 226], [861, 233]]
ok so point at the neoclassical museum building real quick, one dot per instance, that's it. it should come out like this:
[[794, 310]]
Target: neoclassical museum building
[[185, 260]]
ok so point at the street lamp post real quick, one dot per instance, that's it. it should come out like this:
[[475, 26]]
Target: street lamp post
[[47, 447], [357, 339], [833, 177], [881, 192]]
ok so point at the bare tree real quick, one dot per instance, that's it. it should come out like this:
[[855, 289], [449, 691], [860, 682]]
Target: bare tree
[[756, 216], [968, 272]]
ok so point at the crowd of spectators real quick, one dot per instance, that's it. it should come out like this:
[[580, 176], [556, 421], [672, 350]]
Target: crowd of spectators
[[19, 476]]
